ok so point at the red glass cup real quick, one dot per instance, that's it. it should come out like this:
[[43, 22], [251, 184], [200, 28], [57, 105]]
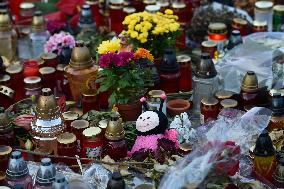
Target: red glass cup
[[5, 152], [209, 109], [169, 82], [185, 81], [31, 68], [17, 81], [66, 146], [48, 77], [69, 117], [89, 102], [209, 47], [116, 15], [77, 128], [49, 60]]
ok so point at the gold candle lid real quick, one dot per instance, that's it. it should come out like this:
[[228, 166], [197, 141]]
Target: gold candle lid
[[5, 78], [163, 3], [257, 23], [80, 124], [48, 56], [92, 2], [103, 124], [149, 2], [156, 93], [32, 82], [209, 101], [183, 58], [70, 116], [38, 23], [27, 6], [60, 67], [278, 8], [178, 5], [7, 91], [66, 138], [14, 69], [229, 103], [224, 94], [81, 57], [92, 132], [129, 10], [217, 28], [5, 150], [114, 130], [250, 82], [208, 44], [46, 70], [240, 21]]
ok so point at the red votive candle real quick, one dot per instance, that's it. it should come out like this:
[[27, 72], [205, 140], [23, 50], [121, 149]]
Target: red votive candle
[[31, 68]]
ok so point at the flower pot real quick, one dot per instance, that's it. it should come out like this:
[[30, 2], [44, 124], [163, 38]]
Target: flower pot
[[177, 106], [130, 112]]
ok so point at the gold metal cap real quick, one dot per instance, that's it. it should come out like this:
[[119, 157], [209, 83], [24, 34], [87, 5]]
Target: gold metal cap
[[129, 10], [217, 28], [5, 21], [48, 56], [178, 5], [149, 2], [208, 44], [163, 3], [80, 124], [92, 132], [209, 101], [66, 138], [47, 107], [250, 82], [38, 23], [14, 69], [224, 94], [5, 150], [46, 70], [114, 130], [240, 21], [81, 57], [183, 58], [278, 8], [32, 82], [229, 103], [70, 116], [4, 79], [156, 93]]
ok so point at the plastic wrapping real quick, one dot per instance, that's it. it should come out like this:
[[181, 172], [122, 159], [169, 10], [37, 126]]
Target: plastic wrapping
[[221, 148], [257, 54]]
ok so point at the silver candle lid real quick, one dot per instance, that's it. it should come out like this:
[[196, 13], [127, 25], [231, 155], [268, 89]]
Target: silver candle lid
[[46, 174], [60, 182], [17, 167]]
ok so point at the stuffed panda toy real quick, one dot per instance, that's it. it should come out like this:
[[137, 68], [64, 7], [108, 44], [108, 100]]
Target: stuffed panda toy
[[151, 126]]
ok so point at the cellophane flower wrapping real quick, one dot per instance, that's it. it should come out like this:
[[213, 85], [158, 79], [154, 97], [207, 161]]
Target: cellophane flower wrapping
[[221, 148]]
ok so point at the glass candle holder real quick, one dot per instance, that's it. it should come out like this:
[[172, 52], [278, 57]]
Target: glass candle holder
[[89, 102], [32, 86], [278, 17], [66, 146], [259, 26], [31, 68], [48, 77], [77, 127], [5, 152], [240, 25], [185, 81], [17, 80], [92, 142], [263, 11], [209, 47], [49, 60], [116, 15], [179, 9], [27, 11], [223, 94], [209, 109], [154, 100], [94, 4], [5, 80], [69, 117]]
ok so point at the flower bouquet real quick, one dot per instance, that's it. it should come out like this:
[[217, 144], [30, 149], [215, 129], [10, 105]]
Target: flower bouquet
[[154, 32], [122, 74]]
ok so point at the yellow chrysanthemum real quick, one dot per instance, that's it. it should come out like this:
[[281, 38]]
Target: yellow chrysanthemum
[[133, 34], [169, 11], [109, 46]]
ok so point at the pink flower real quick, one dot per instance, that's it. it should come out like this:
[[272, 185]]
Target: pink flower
[[57, 41], [126, 56], [143, 99], [116, 59], [104, 60], [163, 96]]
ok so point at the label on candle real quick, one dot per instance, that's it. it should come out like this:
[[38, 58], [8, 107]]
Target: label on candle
[[93, 152]]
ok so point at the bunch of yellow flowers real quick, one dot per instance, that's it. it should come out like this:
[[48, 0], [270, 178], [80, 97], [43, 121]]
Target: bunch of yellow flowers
[[109, 46], [143, 25]]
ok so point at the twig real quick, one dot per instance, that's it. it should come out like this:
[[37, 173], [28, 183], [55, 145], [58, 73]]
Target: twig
[[93, 160]]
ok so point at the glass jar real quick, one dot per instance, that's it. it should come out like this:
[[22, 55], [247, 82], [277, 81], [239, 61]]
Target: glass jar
[[49, 60], [81, 72], [259, 26], [5, 152], [69, 117], [24, 50], [116, 15], [31, 68], [228, 103], [66, 146], [8, 36], [32, 86], [263, 11], [48, 77], [209, 109], [94, 4], [185, 81], [169, 72], [77, 127], [240, 25], [89, 102], [27, 11], [39, 35], [278, 18], [235, 39], [17, 81], [92, 143], [209, 47], [154, 100], [86, 21], [277, 107], [18, 172], [179, 9], [217, 32]]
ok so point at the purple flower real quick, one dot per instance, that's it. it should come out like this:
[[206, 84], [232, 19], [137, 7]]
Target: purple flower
[[104, 60], [126, 56], [117, 60]]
